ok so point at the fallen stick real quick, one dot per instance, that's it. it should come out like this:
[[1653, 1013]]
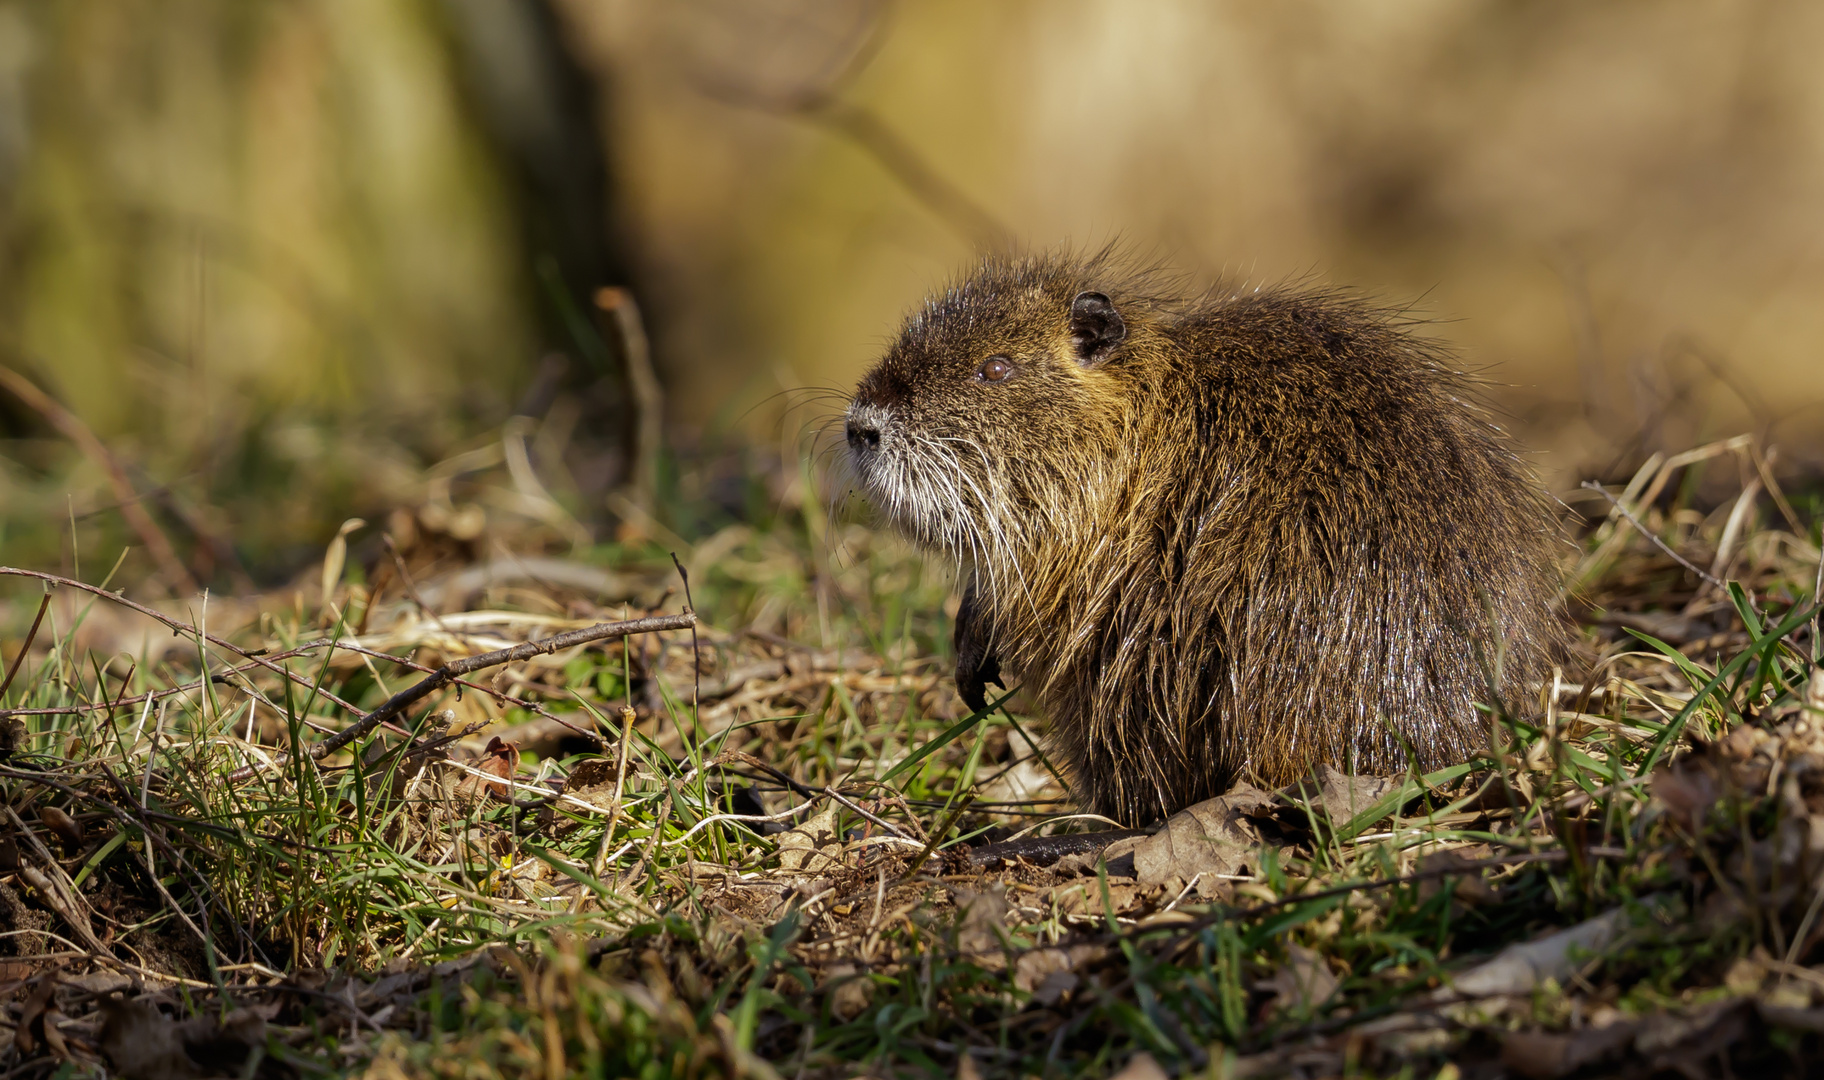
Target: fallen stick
[[177, 576], [455, 669]]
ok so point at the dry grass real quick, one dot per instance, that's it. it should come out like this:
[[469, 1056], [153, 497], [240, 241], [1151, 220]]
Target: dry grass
[[769, 874]]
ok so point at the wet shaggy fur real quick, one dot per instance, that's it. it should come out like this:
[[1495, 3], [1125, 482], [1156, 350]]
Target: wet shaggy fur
[[1218, 536]]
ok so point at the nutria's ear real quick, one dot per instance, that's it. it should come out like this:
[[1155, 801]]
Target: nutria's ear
[[1095, 327]]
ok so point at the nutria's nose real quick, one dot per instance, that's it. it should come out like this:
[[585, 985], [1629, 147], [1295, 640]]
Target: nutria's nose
[[863, 433]]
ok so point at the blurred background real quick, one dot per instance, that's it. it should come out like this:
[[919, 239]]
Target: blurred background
[[267, 265]]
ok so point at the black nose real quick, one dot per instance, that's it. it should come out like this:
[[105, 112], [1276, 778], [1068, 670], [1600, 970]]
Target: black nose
[[861, 433]]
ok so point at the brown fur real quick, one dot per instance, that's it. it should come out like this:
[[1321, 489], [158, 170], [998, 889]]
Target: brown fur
[[1215, 535]]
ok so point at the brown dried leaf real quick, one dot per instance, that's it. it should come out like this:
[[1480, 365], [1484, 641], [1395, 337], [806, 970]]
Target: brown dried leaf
[[144, 1044], [500, 758], [978, 932], [1687, 789], [67, 828], [1339, 795], [1211, 837], [813, 847], [852, 991], [596, 772], [1141, 1067], [1468, 888], [1519, 969], [1084, 897], [1811, 1020], [67, 904], [1304, 981], [1041, 966], [1544, 1054], [38, 1022], [1745, 976]]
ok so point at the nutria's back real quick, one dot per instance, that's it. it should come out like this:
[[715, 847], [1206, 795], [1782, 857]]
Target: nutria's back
[[1216, 535]]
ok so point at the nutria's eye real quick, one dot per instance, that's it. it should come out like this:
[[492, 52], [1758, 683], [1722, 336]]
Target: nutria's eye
[[994, 369]]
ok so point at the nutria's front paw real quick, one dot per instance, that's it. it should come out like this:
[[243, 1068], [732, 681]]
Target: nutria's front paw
[[976, 664]]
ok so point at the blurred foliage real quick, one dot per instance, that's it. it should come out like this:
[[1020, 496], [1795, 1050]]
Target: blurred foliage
[[1608, 207], [293, 261], [262, 249]]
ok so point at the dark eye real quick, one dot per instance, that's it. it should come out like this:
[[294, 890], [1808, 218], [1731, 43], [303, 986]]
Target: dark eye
[[994, 369]]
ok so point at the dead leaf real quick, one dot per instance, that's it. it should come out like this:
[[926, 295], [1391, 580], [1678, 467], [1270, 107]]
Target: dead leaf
[[144, 1044], [1141, 1067], [1210, 837], [1049, 974], [1519, 969], [813, 847], [1339, 795], [1468, 887], [38, 1023], [978, 933], [851, 991], [67, 904], [334, 558], [1545, 1054], [1304, 981], [1084, 897], [1742, 742], [1687, 789], [596, 772], [1683, 1033], [67, 828], [1811, 1020], [1745, 976], [500, 758]]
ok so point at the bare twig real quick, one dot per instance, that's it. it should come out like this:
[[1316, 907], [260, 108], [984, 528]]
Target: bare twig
[[411, 588], [1817, 600], [55, 887], [72, 428], [696, 658], [30, 636], [644, 388], [450, 672], [178, 626], [826, 106], [1704, 575], [806, 789], [894, 154], [1763, 464], [614, 804], [499, 697]]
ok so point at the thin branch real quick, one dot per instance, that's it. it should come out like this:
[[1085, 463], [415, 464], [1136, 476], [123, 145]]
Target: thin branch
[[1704, 575], [451, 672], [178, 626], [644, 388], [30, 636], [867, 131], [806, 789], [74, 429]]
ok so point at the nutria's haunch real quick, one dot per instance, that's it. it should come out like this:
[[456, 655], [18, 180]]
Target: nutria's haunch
[[1217, 535]]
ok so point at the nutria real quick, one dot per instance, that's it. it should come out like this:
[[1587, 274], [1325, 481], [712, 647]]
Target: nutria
[[1216, 534]]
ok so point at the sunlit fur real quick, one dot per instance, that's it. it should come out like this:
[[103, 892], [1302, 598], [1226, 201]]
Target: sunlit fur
[[1270, 529]]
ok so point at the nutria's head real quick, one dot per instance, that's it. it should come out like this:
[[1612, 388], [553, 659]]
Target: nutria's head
[[999, 411]]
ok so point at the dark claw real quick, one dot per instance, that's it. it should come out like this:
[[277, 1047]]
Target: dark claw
[[976, 664]]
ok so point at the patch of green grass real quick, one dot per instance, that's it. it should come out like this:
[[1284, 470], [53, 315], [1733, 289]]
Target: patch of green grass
[[677, 931]]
